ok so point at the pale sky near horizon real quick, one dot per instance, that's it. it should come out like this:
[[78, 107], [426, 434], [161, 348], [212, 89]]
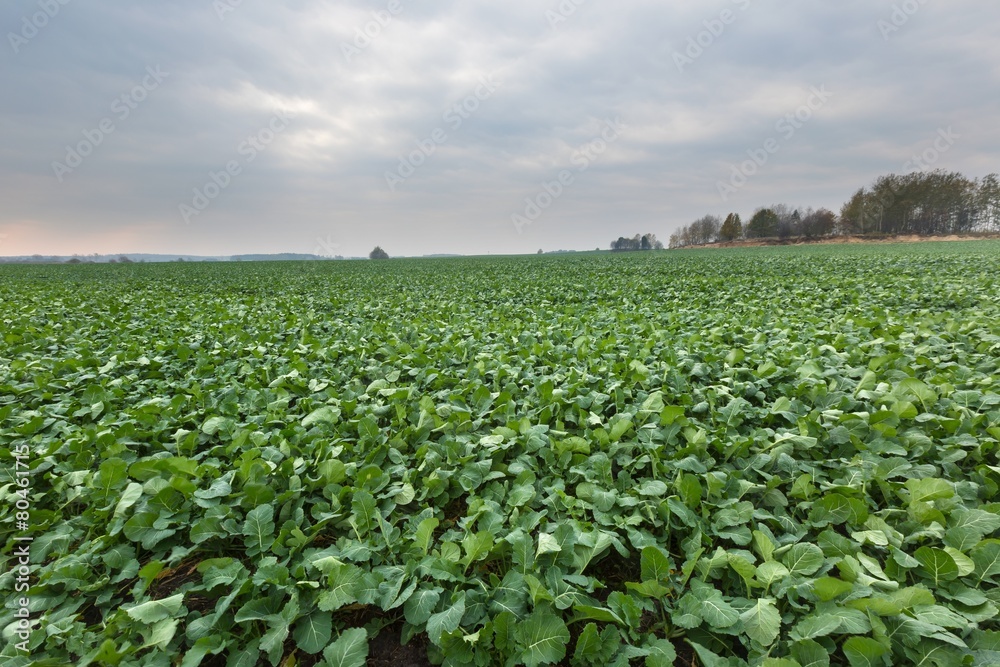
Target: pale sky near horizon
[[244, 126]]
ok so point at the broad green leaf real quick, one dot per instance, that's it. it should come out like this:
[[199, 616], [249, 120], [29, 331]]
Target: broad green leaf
[[503, 632], [810, 653], [713, 608], [129, 496], [986, 556], [258, 530], [326, 414], [620, 428], [424, 535], [215, 425], [966, 565], [929, 489], [762, 622], [143, 528], [804, 559], [160, 634], [654, 564], [363, 513], [547, 544], [864, 652], [312, 633], [446, 621], [771, 572], [341, 589], [661, 653], [157, 610], [419, 607], [477, 547], [837, 509], [542, 639], [828, 588], [819, 625], [350, 649], [936, 564], [595, 647], [764, 545], [653, 487]]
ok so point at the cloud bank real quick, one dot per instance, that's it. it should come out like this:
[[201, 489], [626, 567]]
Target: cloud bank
[[238, 126]]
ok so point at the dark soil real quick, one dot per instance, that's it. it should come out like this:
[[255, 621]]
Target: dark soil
[[386, 651]]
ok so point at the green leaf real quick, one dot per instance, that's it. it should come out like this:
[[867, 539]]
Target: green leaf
[[919, 390], [157, 610], [312, 633], [828, 588], [966, 565], [817, 625], [809, 653], [160, 634], [215, 425], [655, 565], [661, 653], [326, 414], [368, 428], [259, 609], [837, 509], [363, 512], [864, 652], [547, 544], [653, 487], [258, 530], [588, 643], [804, 559], [765, 547], [542, 638], [620, 428], [503, 632], [112, 475], [708, 658], [477, 547], [446, 621], [597, 648], [986, 556], [929, 489], [142, 528], [129, 497], [762, 622], [936, 564], [771, 572], [204, 646], [424, 535], [420, 605], [522, 548], [713, 608], [350, 649], [342, 588]]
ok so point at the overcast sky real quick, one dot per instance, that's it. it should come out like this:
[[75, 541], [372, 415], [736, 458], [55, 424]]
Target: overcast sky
[[245, 126]]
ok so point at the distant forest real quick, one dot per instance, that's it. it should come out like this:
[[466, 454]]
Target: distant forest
[[933, 203], [638, 242]]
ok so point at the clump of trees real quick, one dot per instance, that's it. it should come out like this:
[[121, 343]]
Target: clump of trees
[[378, 253], [777, 221], [932, 203], [732, 228], [643, 242], [924, 203]]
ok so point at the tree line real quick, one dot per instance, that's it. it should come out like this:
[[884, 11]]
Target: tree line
[[643, 242], [931, 203]]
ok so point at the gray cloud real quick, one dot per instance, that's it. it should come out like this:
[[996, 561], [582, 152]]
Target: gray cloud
[[324, 176]]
